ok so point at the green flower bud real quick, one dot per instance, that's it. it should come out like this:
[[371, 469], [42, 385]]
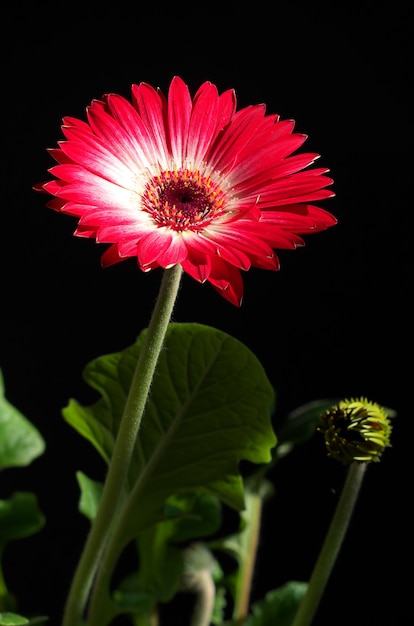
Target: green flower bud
[[355, 430]]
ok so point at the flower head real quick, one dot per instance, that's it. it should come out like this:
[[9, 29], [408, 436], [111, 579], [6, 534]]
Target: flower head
[[356, 430], [189, 181]]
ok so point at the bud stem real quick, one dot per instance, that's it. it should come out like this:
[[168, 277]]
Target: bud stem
[[332, 545]]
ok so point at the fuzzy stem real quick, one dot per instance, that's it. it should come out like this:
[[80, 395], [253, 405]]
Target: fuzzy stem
[[331, 545], [204, 588], [123, 449]]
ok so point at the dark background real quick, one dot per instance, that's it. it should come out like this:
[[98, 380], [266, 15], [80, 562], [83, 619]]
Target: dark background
[[334, 322]]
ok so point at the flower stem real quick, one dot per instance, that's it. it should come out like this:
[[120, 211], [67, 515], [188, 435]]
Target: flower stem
[[123, 449], [332, 545]]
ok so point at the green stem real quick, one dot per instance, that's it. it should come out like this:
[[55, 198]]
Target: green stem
[[6, 601], [123, 449], [249, 539], [332, 545]]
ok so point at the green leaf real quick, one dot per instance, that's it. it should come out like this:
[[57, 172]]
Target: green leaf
[[208, 409], [12, 619], [278, 607], [300, 425], [91, 491], [161, 565], [191, 516], [19, 517], [130, 598], [188, 517], [20, 441]]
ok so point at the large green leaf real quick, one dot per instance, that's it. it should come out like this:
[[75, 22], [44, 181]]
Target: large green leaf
[[208, 409], [20, 441]]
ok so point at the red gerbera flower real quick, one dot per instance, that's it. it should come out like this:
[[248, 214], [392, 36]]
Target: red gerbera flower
[[188, 181]]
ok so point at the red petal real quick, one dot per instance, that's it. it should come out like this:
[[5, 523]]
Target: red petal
[[234, 137], [227, 108], [163, 246], [150, 108], [197, 264], [227, 281], [124, 144], [179, 113], [111, 256], [203, 123]]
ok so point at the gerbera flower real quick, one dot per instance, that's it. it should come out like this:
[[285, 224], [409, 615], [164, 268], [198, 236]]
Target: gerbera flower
[[188, 181], [356, 430]]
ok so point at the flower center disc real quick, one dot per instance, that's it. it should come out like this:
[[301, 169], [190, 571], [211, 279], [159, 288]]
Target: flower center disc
[[183, 200]]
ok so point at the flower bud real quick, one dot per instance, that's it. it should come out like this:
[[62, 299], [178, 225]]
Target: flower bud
[[355, 430]]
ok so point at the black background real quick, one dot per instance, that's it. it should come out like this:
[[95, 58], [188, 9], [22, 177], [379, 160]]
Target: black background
[[334, 322]]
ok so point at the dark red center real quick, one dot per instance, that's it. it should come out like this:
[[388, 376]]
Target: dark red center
[[183, 200]]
